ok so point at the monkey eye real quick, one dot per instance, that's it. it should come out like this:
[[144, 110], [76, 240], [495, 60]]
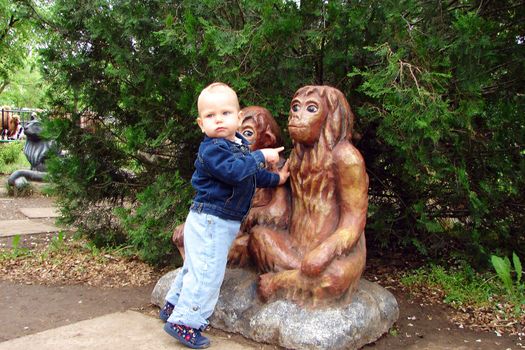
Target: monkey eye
[[247, 133], [312, 108], [295, 107]]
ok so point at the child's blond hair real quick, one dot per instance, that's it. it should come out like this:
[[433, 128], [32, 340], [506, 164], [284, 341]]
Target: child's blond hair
[[216, 87]]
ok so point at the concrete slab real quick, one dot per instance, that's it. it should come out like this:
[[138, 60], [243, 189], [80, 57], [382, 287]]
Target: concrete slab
[[117, 331], [24, 227], [35, 213]]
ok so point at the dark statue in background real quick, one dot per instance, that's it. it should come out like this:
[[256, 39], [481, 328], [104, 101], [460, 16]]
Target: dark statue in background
[[36, 151]]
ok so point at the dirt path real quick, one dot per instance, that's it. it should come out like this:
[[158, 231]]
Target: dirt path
[[31, 308], [28, 309]]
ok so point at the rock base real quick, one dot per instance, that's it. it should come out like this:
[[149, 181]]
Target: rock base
[[369, 314]]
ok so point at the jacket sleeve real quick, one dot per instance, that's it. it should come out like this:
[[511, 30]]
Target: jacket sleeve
[[221, 163], [265, 178]]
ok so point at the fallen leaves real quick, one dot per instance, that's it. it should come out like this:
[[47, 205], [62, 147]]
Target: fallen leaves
[[74, 264], [500, 319]]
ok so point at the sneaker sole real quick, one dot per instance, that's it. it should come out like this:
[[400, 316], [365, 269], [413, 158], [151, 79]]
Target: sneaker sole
[[176, 335]]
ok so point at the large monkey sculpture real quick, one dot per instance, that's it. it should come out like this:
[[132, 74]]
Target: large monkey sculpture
[[321, 256], [270, 206]]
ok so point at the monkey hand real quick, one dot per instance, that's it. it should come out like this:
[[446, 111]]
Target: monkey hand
[[318, 259], [284, 173]]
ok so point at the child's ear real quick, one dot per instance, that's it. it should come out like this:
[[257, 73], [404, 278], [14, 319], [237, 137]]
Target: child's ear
[[241, 117], [199, 121]]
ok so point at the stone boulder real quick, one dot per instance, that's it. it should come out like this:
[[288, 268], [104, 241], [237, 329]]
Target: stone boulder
[[370, 313]]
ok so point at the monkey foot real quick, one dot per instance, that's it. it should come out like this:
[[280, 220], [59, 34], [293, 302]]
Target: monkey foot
[[266, 286]]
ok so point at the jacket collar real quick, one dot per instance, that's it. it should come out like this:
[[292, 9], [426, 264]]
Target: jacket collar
[[237, 134]]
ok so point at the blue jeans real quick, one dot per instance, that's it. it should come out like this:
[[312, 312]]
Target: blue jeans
[[195, 290]]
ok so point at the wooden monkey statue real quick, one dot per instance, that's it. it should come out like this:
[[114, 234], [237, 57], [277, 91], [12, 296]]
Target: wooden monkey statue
[[321, 255]]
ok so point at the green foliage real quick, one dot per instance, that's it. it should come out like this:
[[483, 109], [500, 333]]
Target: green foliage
[[461, 285], [12, 157], [17, 36], [26, 87], [160, 208], [442, 129], [438, 99], [10, 152], [514, 287], [15, 251], [57, 242]]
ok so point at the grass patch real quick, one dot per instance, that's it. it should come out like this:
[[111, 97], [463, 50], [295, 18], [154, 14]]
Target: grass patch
[[461, 286], [16, 251], [480, 301], [12, 157]]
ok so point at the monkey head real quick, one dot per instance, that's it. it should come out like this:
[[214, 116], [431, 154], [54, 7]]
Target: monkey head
[[307, 115], [319, 112], [260, 128]]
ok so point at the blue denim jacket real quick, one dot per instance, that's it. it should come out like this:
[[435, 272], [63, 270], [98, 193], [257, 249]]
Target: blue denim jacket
[[226, 175]]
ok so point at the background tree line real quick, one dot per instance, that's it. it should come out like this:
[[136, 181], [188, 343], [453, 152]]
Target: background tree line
[[437, 88], [21, 83]]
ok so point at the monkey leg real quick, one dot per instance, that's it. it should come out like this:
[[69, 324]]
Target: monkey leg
[[238, 256], [340, 277], [271, 250], [343, 273], [270, 283], [178, 239]]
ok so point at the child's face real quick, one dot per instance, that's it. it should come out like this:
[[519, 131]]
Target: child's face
[[219, 114]]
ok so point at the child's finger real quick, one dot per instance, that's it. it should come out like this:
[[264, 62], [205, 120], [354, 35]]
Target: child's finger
[[280, 149], [286, 165]]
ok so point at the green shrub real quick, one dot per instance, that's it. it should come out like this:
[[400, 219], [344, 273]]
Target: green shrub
[[439, 105], [514, 286], [463, 286], [159, 209], [12, 157]]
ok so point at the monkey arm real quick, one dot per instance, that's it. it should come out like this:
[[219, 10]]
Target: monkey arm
[[352, 184]]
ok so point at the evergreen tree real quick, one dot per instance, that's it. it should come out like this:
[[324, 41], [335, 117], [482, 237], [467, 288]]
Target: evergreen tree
[[16, 33], [437, 88]]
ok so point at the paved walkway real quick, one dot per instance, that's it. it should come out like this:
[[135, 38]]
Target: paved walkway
[[118, 331], [24, 227], [37, 213], [31, 225]]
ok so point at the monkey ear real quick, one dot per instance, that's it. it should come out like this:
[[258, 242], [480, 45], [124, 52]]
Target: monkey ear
[[268, 137], [333, 118]]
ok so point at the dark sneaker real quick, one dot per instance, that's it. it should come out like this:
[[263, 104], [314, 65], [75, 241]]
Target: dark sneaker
[[166, 311], [188, 336]]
